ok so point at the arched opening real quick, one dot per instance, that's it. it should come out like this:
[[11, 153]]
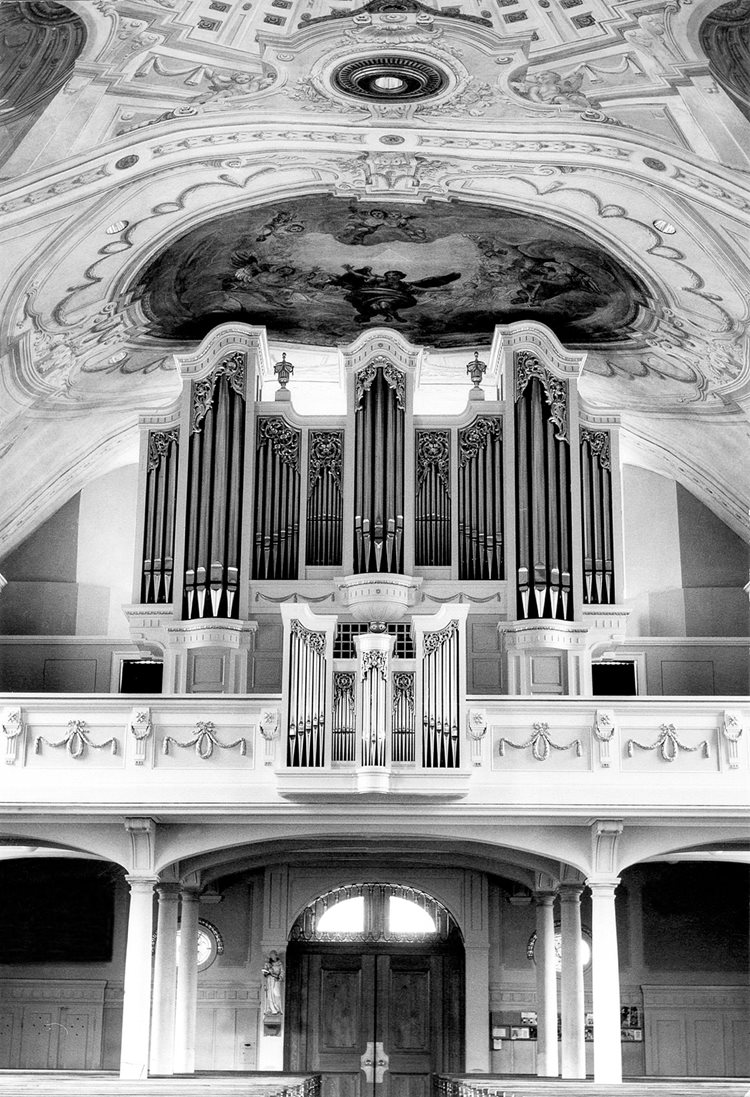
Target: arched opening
[[375, 991]]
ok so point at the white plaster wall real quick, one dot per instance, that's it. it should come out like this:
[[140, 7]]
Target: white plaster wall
[[651, 543], [106, 544]]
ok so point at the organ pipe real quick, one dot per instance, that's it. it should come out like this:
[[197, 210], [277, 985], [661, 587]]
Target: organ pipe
[[402, 717], [276, 510], [158, 534], [379, 470], [543, 492], [433, 499], [343, 729], [306, 697], [440, 698], [480, 500], [596, 518], [215, 487], [325, 500]]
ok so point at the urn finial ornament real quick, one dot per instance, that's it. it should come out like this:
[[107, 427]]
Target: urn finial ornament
[[283, 371], [476, 371]]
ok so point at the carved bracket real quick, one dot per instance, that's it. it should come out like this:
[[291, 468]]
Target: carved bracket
[[394, 378], [314, 640], [140, 728], [555, 390], [14, 732], [598, 442], [204, 741], [435, 640], [374, 661], [474, 438], [604, 733], [233, 368], [284, 440], [325, 454], [605, 836], [731, 729], [668, 744], [159, 442], [75, 741], [541, 744]]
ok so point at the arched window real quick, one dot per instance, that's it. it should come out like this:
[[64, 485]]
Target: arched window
[[374, 913]]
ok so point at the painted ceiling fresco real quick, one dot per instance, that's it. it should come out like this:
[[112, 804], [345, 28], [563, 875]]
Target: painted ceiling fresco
[[321, 270]]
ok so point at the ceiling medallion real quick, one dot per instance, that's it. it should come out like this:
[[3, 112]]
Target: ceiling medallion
[[388, 78]]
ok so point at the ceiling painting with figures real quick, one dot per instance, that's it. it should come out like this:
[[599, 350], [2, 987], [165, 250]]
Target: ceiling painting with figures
[[321, 269]]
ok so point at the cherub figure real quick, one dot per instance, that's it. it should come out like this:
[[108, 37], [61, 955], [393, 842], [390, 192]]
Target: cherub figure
[[551, 88]]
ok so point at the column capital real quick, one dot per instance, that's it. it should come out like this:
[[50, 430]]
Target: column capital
[[600, 883], [168, 890], [141, 884], [571, 892], [190, 893], [544, 898]]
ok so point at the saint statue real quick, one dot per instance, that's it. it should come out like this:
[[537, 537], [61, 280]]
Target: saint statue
[[273, 974]]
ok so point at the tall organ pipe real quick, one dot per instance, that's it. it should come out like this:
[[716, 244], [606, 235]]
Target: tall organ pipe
[[161, 498], [379, 470], [480, 500], [276, 508], [215, 486], [596, 517], [543, 502]]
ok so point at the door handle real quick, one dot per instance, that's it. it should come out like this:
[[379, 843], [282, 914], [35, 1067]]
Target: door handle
[[381, 1062], [367, 1061], [374, 1062]]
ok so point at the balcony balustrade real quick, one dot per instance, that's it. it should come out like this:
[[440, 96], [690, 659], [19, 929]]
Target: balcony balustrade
[[638, 756]]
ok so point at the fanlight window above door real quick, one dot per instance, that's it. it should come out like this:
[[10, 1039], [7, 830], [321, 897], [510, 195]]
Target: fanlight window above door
[[373, 913]]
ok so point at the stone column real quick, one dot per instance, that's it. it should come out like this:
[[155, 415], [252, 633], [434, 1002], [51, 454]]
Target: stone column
[[605, 981], [136, 1011], [571, 984], [546, 986], [165, 980], [186, 1007]]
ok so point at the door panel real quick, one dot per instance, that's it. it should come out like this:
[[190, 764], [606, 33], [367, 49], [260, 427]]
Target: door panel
[[342, 1004]]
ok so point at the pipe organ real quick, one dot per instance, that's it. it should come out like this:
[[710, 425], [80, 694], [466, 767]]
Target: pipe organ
[[158, 539], [251, 510], [543, 498], [379, 469], [596, 517], [277, 496], [215, 460]]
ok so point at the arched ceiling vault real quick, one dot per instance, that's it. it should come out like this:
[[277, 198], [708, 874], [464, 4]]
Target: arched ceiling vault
[[592, 176]]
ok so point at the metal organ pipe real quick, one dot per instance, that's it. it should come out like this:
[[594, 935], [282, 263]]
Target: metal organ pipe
[[161, 499], [542, 492], [276, 510], [596, 517], [379, 469], [215, 486], [480, 500]]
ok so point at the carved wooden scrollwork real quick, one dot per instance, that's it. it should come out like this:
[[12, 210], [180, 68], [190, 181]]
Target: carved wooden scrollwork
[[233, 368], [284, 440], [598, 443], [555, 390], [393, 376], [325, 454], [159, 442], [434, 452]]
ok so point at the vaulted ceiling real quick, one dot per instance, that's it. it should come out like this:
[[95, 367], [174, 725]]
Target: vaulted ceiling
[[324, 166]]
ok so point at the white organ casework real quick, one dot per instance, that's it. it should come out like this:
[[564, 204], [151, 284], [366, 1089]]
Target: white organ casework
[[372, 539]]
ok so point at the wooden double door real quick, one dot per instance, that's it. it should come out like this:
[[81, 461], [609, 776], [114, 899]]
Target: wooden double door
[[377, 1022]]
